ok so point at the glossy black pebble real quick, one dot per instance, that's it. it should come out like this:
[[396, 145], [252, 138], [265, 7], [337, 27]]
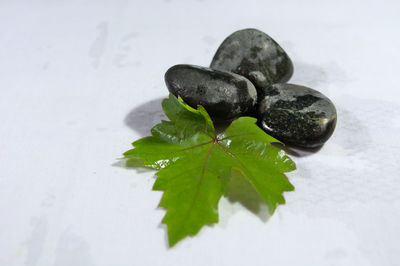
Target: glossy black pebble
[[297, 115], [224, 95], [255, 55]]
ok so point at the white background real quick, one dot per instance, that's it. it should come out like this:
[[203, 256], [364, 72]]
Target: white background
[[80, 81]]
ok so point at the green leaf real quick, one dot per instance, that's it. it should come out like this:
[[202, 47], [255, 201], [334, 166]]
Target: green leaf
[[195, 165]]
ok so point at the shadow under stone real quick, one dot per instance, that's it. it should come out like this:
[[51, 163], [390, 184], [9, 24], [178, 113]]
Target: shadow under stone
[[296, 151], [145, 116]]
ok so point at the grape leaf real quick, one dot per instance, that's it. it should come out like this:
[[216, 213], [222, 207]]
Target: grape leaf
[[195, 165]]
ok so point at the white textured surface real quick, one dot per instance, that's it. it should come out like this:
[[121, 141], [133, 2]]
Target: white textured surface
[[80, 81]]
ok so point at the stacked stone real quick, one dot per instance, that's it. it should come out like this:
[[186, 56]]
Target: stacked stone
[[247, 77]]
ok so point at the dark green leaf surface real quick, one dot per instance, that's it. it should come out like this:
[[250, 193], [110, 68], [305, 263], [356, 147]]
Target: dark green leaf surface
[[195, 165]]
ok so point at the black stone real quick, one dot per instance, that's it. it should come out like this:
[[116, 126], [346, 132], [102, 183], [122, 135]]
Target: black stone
[[254, 55], [296, 115], [224, 95]]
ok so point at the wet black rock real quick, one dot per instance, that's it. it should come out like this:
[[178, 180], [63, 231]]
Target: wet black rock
[[224, 95], [296, 115], [254, 55]]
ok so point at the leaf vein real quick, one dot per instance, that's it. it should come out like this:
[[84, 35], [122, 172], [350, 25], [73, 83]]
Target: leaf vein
[[198, 185]]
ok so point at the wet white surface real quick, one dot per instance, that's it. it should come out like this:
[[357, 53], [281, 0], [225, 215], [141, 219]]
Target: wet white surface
[[80, 81]]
